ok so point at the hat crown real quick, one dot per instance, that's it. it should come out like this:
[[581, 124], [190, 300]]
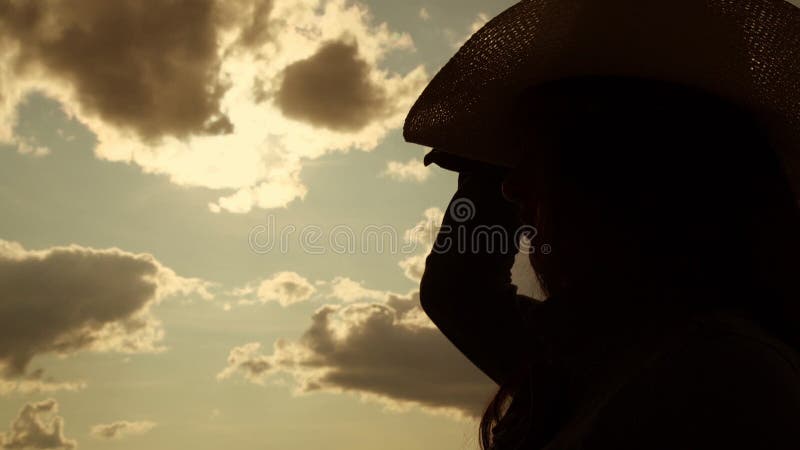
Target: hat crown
[[747, 51]]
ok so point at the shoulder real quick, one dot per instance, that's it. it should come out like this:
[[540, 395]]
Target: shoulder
[[725, 382], [728, 349], [723, 340]]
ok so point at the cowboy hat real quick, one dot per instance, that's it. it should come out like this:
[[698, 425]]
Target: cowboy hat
[[746, 51]]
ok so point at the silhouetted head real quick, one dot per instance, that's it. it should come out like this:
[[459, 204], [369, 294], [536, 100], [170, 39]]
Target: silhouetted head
[[639, 185], [649, 191]]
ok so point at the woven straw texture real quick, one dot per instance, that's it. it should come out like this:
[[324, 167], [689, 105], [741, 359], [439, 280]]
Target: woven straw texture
[[744, 50]]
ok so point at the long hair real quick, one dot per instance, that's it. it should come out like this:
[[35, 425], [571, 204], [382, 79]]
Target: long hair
[[674, 188]]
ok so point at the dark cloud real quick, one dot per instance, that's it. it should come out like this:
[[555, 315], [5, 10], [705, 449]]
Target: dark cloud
[[256, 30], [71, 298], [36, 427], [388, 350], [149, 67], [332, 89]]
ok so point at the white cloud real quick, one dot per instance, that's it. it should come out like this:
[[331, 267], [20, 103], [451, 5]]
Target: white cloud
[[277, 193], [457, 41], [347, 290], [121, 428], [27, 386], [202, 110], [26, 148], [286, 288], [248, 360], [412, 170], [289, 288], [37, 427]]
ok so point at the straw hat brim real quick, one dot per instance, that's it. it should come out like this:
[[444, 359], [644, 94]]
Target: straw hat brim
[[747, 51]]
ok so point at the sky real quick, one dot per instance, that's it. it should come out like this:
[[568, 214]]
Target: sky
[[212, 230]]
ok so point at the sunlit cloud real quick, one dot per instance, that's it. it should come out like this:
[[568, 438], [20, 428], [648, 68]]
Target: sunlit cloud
[[62, 300], [290, 288], [37, 427], [379, 345], [150, 71], [28, 387], [217, 94], [386, 351], [423, 234], [248, 361], [120, 429], [285, 288], [348, 290], [26, 147], [412, 170], [457, 39]]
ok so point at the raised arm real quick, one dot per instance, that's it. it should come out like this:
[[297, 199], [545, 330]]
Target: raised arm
[[467, 291]]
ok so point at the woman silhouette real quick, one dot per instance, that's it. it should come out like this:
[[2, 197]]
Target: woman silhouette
[[666, 231]]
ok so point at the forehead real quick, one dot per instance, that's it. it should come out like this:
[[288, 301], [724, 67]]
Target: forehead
[[595, 93], [572, 104], [590, 114]]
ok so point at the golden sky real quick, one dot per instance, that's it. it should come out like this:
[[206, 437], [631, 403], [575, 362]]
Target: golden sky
[[212, 231]]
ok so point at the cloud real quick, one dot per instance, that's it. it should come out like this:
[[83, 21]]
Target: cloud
[[413, 266], [348, 290], [36, 383], [377, 344], [37, 427], [289, 288], [456, 42], [28, 387], [286, 288], [254, 19], [385, 351], [277, 193], [25, 147], [248, 360], [121, 428], [149, 70], [412, 170], [65, 299], [423, 235], [332, 89], [424, 14], [209, 93]]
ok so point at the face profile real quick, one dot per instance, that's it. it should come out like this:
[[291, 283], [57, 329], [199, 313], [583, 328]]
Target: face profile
[[669, 206]]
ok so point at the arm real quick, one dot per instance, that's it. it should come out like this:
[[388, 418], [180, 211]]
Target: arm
[[469, 295]]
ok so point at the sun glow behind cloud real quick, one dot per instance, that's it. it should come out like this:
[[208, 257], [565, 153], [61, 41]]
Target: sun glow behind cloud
[[241, 141], [204, 94]]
